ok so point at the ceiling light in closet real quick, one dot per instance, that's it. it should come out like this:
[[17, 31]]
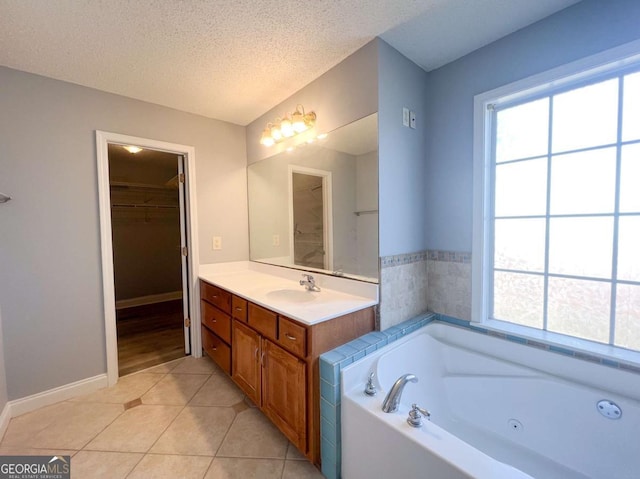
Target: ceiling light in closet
[[132, 149]]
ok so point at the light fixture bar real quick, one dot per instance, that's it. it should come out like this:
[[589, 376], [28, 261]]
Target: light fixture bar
[[288, 126]]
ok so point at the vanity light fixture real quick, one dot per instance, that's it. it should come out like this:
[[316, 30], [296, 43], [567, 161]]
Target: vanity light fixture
[[132, 149], [289, 126]]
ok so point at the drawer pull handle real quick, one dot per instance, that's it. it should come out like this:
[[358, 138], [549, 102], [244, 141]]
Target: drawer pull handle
[[214, 348], [255, 355], [214, 320], [238, 308], [289, 337], [215, 296]]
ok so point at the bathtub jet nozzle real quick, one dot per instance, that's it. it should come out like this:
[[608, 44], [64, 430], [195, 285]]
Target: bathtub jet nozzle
[[392, 401]]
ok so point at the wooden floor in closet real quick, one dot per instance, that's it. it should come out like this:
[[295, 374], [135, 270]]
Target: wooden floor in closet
[[149, 335]]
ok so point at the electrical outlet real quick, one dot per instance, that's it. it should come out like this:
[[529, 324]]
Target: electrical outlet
[[412, 119], [276, 240], [405, 116], [217, 242]]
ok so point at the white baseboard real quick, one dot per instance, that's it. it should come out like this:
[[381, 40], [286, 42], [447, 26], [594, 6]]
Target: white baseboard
[[150, 299], [5, 417], [62, 393]]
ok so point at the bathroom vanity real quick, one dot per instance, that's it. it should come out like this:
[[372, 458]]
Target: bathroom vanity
[[267, 332]]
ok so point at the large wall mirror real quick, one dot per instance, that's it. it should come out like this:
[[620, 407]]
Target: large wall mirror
[[315, 207]]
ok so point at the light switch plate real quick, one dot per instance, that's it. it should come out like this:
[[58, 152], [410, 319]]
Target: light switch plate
[[276, 240], [405, 116], [217, 242]]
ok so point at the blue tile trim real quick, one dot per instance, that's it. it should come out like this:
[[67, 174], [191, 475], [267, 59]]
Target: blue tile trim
[[558, 349], [516, 339]]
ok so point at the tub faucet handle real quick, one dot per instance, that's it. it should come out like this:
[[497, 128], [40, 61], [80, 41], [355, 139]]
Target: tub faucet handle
[[416, 414], [370, 390]]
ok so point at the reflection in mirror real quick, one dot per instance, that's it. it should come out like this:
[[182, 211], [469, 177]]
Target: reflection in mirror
[[315, 207]]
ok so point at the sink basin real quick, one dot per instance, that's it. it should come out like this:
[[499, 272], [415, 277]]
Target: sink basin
[[291, 295]]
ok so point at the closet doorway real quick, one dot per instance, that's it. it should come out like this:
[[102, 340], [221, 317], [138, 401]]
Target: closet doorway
[[148, 250], [147, 227]]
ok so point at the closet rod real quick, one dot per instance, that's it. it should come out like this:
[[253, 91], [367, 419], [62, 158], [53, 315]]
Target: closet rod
[[119, 205]]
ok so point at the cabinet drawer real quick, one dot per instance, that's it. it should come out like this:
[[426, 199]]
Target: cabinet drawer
[[293, 337], [263, 321], [216, 296], [239, 308], [216, 321], [217, 350]]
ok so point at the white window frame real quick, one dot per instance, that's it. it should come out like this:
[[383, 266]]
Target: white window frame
[[599, 64]]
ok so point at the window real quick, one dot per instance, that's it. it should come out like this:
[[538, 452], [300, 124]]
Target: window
[[557, 219]]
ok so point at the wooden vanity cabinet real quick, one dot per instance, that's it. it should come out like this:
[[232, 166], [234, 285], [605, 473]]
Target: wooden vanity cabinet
[[274, 359], [215, 314], [273, 378], [247, 361], [284, 394]]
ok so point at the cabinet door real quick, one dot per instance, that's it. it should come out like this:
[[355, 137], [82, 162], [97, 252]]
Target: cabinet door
[[245, 360], [284, 392]]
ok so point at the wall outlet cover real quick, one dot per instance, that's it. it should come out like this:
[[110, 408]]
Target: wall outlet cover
[[412, 119], [217, 242]]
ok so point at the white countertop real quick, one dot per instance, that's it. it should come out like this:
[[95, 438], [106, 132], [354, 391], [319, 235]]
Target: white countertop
[[279, 290]]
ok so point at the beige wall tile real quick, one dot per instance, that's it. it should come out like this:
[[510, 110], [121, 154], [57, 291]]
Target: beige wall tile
[[403, 292], [450, 289]]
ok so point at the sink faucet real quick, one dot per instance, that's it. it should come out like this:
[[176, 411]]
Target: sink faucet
[[392, 401], [309, 283]]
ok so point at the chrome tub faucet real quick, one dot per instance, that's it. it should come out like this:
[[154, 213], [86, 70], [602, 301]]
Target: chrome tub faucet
[[392, 401]]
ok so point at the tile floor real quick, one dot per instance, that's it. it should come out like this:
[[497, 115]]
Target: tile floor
[[184, 419]]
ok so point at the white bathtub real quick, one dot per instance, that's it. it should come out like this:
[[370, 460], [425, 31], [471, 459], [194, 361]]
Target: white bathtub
[[498, 410]]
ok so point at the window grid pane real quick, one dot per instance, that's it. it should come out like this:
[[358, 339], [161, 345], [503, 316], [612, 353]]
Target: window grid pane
[[582, 300]]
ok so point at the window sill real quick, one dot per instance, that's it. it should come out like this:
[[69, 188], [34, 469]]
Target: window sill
[[559, 343]]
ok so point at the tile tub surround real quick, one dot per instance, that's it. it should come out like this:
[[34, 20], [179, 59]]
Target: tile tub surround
[[449, 279], [430, 280], [403, 288], [182, 419]]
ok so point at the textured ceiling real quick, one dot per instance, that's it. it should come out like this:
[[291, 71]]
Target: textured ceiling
[[236, 59]]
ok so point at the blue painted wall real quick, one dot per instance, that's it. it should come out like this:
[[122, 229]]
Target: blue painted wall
[[584, 29], [402, 152]]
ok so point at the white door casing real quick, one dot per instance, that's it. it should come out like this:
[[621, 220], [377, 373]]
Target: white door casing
[[103, 139], [327, 211]]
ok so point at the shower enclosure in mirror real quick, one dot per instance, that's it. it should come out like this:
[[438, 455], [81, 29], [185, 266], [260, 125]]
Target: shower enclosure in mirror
[[315, 208]]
